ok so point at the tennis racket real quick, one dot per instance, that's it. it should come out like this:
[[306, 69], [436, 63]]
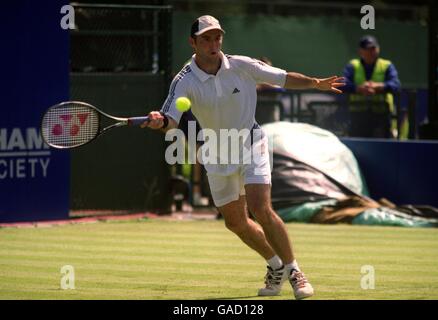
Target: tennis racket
[[72, 124]]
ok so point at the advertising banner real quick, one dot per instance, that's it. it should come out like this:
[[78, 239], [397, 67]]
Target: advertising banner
[[34, 179]]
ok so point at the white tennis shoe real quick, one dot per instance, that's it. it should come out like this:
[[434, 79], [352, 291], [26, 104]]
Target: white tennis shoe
[[301, 286], [274, 280]]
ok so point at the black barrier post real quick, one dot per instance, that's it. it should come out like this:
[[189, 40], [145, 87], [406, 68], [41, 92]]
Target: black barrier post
[[412, 117], [433, 62]]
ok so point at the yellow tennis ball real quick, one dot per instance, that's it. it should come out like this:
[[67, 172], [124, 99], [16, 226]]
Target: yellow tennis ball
[[183, 104]]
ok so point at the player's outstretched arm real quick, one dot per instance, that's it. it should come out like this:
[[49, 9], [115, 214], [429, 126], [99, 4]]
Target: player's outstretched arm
[[157, 120], [299, 81]]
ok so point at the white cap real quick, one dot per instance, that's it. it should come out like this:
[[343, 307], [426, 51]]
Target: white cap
[[204, 24]]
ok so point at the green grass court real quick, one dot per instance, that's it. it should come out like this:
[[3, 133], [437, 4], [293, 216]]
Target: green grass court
[[161, 259]]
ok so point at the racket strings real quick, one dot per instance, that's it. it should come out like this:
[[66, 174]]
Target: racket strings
[[70, 125]]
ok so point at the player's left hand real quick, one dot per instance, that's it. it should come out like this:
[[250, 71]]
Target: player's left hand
[[330, 84]]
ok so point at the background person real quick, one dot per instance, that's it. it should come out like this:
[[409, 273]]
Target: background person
[[371, 82]]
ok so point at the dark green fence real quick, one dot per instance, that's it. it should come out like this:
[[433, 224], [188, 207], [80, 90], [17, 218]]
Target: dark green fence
[[125, 168], [121, 63], [317, 46]]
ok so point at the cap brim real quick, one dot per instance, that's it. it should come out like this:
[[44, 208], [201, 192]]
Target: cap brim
[[370, 46], [208, 29]]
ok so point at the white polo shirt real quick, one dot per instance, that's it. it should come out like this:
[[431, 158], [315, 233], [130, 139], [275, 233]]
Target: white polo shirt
[[226, 100]]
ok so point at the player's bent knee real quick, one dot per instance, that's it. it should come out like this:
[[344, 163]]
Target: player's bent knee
[[236, 227], [259, 208], [265, 216]]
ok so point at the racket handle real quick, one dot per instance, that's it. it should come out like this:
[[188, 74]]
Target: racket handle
[[136, 121]]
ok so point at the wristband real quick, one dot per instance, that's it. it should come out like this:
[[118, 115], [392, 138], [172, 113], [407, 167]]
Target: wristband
[[165, 121]]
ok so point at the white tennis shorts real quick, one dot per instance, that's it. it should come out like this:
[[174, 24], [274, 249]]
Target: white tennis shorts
[[225, 189]]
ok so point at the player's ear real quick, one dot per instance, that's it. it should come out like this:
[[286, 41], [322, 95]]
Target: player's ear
[[192, 42]]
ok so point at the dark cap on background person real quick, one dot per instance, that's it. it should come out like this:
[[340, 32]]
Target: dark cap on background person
[[367, 42], [204, 24]]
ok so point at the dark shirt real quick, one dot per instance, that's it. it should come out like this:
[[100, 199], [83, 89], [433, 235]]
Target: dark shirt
[[392, 83]]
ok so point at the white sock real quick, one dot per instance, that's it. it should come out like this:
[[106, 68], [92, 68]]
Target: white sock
[[293, 265], [275, 262]]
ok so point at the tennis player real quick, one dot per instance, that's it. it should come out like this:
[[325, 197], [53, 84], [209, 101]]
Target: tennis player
[[222, 89]]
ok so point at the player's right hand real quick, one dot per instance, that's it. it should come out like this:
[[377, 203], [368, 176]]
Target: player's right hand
[[156, 121]]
